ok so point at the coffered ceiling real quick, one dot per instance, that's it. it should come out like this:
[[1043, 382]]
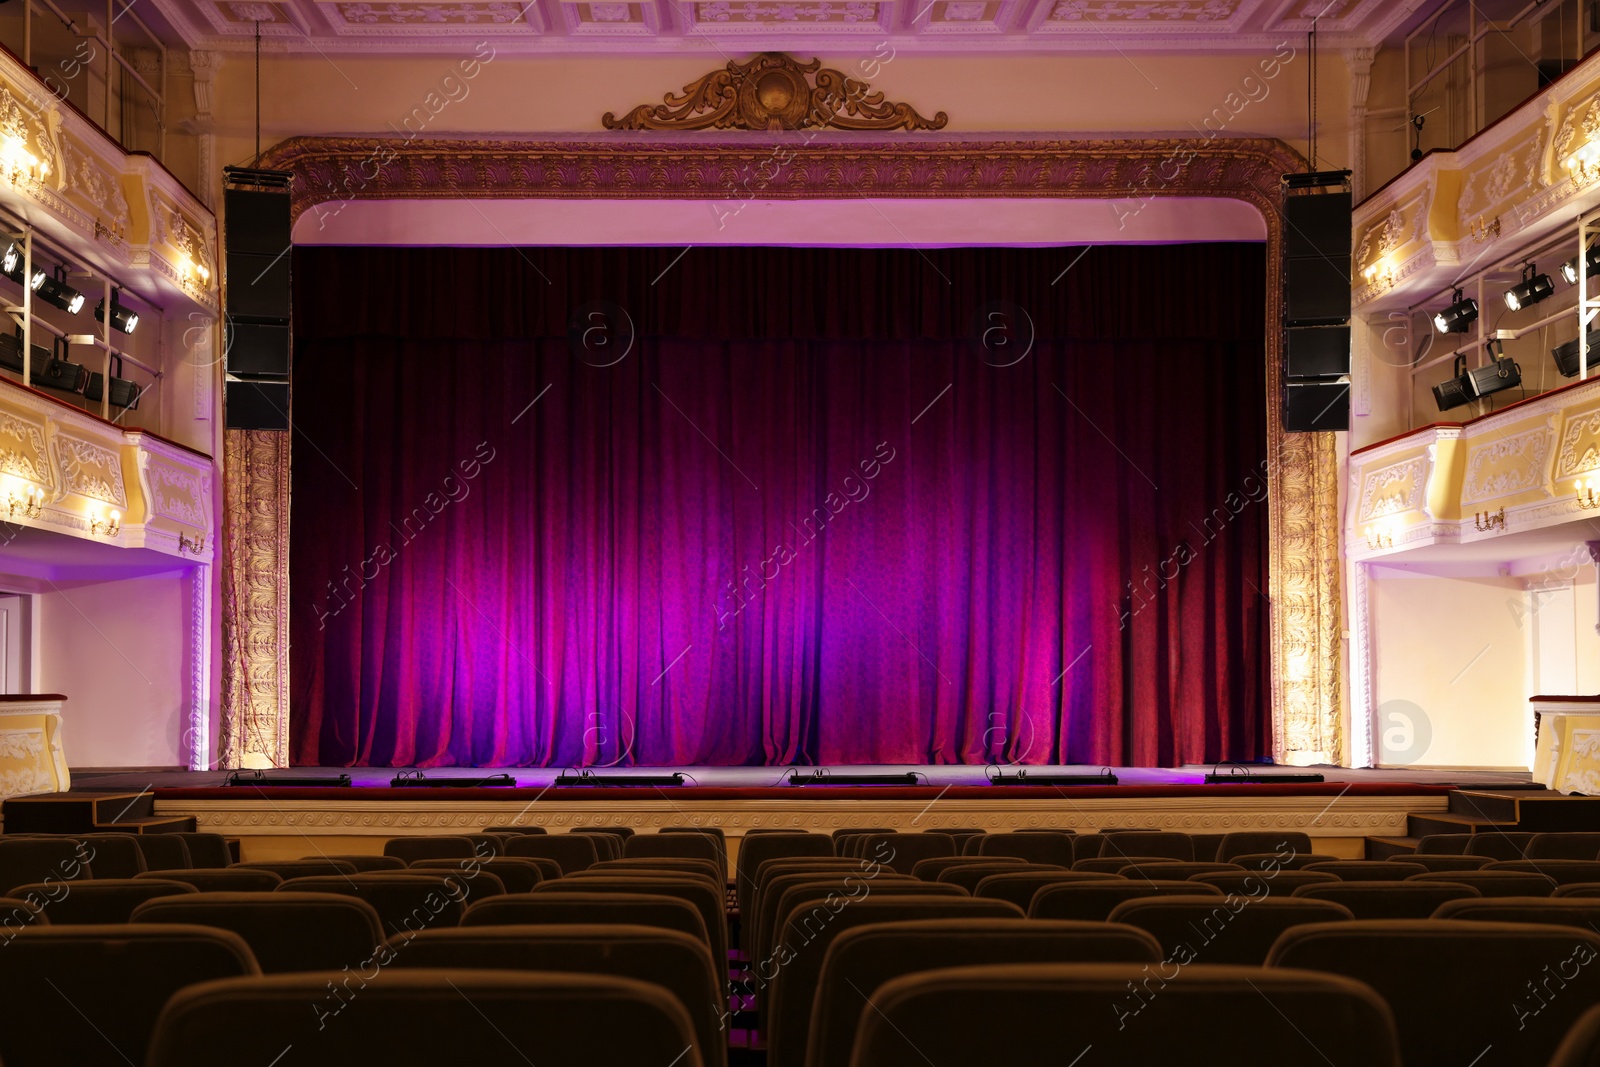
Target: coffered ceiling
[[867, 26]]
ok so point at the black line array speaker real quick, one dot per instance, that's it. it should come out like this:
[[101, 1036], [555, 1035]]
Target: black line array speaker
[[257, 249], [1316, 302]]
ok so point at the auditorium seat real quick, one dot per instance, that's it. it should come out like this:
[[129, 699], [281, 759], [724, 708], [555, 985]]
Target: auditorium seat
[[514, 830], [607, 845], [1498, 845], [1192, 930], [1446, 863], [786, 1011], [902, 851], [1053, 848], [1498, 1007], [42, 859], [1557, 911], [516, 874], [1443, 844], [713, 911], [285, 931], [1019, 886], [1494, 883], [88, 996], [206, 850], [755, 849], [713, 832], [1206, 847], [16, 912], [426, 1016], [863, 958], [679, 846], [1095, 901], [1176, 869], [774, 876], [929, 869], [304, 868], [1581, 1046], [1141, 844], [677, 962], [114, 855], [221, 879], [552, 906], [1111, 864], [162, 852], [849, 843], [573, 852], [98, 901], [1368, 870], [706, 868], [819, 898], [1119, 1015], [1272, 861], [1565, 872], [1282, 844], [968, 875], [1563, 846], [1388, 900], [366, 862], [408, 849], [404, 902], [1577, 889], [1262, 883]]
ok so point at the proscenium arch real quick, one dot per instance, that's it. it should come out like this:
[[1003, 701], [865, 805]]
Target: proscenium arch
[[1303, 559]]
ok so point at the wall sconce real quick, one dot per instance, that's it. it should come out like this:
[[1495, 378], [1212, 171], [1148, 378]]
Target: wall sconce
[[194, 545], [1488, 520], [109, 526], [1588, 498], [1380, 537], [15, 159], [30, 503], [1585, 162], [1483, 231]]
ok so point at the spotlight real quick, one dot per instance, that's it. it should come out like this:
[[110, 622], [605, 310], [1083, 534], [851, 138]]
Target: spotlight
[[52, 290], [1461, 313], [1501, 372], [11, 262], [1456, 389], [125, 320], [1569, 269], [1533, 288], [1566, 356]]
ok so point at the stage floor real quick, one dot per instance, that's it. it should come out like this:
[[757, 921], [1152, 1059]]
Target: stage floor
[[937, 777]]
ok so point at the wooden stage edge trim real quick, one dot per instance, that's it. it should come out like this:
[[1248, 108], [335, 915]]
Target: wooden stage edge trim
[[270, 828]]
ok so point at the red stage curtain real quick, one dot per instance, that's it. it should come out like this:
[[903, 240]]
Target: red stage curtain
[[808, 515]]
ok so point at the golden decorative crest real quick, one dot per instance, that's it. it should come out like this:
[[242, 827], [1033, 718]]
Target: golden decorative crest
[[772, 92]]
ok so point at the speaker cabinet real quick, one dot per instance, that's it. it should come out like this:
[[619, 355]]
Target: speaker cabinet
[[1309, 407], [258, 286], [1316, 351], [257, 349], [255, 221], [257, 405]]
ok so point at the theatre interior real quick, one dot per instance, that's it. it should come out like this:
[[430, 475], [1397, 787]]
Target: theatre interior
[[800, 533]]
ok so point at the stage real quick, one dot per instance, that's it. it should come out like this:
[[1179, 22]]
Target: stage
[[291, 821]]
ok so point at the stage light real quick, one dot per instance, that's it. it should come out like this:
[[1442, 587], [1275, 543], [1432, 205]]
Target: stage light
[[1533, 288], [123, 320], [1566, 356], [1261, 779], [11, 262], [1569, 269], [1461, 313], [1454, 390], [52, 290], [590, 778], [1022, 777], [824, 777], [1500, 373], [263, 778], [418, 780]]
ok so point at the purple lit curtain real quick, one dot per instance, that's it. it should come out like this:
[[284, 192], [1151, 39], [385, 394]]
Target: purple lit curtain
[[773, 506]]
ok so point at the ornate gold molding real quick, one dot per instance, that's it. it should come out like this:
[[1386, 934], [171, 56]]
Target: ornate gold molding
[[772, 93], [1304, 561], [254, 728]]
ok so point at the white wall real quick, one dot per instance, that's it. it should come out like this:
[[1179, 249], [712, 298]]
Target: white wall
[[119, 652], [1455, 648]]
